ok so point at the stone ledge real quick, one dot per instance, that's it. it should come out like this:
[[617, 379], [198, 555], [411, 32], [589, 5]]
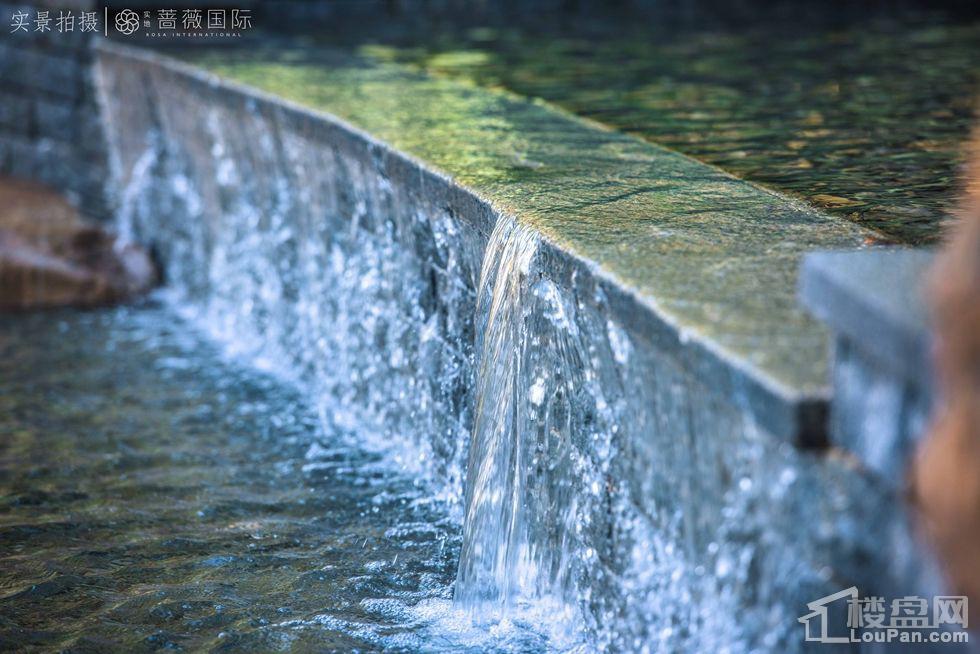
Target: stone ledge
[[873, 303], [687, 250], [874, 299]]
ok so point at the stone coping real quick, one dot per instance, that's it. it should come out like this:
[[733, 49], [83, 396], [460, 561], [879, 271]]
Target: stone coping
[[876, 300], [698, 261]]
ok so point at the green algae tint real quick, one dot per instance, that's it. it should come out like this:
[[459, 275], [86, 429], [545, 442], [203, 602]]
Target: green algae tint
[[861, 115], [714, 253]]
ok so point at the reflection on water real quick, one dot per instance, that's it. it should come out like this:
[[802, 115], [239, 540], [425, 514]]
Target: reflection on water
[[158, 496], [862, 117]]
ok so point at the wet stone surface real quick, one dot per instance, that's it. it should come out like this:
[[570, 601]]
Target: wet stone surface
[[691, 240], [860, 111], [156, 495]]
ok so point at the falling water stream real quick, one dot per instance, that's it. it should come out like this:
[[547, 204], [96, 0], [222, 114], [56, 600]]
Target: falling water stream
[[495, 562], [525, 535]]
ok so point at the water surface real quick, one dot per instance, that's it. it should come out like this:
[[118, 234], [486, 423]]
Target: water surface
[[156, 495], [860, 112]]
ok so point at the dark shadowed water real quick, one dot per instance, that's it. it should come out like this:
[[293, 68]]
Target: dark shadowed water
[[156, 495]]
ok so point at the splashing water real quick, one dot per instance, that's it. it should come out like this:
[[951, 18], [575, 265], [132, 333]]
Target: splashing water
[[157, 495], [331, 311]]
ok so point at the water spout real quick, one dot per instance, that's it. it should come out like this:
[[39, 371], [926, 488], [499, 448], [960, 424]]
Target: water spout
[[495, 563], [531, 490]]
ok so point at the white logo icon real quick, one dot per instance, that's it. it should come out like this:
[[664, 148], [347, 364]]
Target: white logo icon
[[127, 21]]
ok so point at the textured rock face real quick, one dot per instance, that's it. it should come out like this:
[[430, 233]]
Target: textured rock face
[[51, 256], [947, 475]]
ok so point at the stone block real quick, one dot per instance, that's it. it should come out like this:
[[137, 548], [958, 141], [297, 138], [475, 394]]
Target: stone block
[[57, 120], [60, 77], [15, 114], [875, 299], [882, 383]]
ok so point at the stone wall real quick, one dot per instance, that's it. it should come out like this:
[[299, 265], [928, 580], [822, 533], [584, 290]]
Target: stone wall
[[652, 502], [874, 302], [50, 127], [674, 517]]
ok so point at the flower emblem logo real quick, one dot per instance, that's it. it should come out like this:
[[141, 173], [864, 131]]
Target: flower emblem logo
[[127, 21]]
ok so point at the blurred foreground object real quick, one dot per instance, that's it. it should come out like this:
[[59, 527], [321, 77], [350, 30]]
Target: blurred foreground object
[[51, 256], [946, 475]]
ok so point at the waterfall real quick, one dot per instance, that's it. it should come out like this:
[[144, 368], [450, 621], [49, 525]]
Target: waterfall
[[608, 488], [495, 562], [531, 489]]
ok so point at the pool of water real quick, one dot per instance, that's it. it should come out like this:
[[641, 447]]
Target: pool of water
[[157, 494], [860, 112]]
